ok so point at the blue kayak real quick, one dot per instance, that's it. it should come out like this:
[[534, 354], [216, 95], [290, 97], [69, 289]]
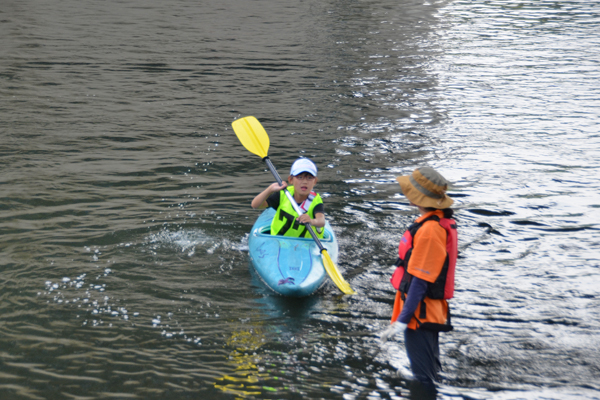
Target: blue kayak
[[289, 266]]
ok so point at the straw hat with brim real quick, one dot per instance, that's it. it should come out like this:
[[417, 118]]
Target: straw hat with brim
[[425, 187]]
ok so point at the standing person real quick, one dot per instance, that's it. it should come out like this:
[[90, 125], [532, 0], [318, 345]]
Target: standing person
[[424, 277], [287, 222]]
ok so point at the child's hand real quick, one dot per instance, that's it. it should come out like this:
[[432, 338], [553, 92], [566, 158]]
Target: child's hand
[[260, 201], [276, 187], [304, 219]]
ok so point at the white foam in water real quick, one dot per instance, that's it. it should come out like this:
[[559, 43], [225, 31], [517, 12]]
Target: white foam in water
[[67, 290], [185, 241]]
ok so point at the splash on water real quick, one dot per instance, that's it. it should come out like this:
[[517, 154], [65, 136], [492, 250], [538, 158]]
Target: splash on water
[[182, 240]]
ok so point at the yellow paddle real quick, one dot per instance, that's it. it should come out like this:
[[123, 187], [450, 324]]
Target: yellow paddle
[[254, 138]]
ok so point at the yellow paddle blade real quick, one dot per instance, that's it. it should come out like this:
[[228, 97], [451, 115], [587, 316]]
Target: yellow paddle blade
[[335, 274], [252, 135]]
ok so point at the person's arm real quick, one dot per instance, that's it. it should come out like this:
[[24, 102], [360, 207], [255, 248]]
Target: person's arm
[[260, 201], [416, 293]]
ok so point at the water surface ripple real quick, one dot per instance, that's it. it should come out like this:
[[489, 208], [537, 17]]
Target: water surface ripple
[[125, 196]]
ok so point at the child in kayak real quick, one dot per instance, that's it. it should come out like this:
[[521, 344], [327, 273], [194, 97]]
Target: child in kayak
[[287, 222]]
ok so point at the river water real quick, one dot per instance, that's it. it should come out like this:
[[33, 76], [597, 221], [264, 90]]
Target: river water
[[125, 195]]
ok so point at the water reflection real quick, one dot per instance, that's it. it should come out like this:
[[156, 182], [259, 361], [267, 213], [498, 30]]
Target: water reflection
[[125, 204], [246, 379]]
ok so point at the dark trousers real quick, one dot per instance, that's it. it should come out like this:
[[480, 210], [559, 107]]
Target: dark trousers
[[423, 350]]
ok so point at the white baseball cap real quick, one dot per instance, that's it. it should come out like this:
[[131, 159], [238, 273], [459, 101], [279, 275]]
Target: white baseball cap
[[303, 165]]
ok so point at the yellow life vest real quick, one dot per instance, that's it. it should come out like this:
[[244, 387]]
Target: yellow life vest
[[285, 223]]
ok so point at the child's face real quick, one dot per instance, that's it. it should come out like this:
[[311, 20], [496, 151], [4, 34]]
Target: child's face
[[303, 183]]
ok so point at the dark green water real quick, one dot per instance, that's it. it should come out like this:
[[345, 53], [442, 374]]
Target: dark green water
[[125, 195]]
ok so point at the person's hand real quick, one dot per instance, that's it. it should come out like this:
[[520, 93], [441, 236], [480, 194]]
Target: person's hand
[[392, 330], [304, 219], [276, 187]]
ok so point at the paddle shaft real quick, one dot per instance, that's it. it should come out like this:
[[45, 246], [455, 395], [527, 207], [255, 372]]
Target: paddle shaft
[[267, 160]]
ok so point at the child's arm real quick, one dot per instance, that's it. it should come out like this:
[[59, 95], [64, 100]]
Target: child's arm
[[318, 222], [260, 201]]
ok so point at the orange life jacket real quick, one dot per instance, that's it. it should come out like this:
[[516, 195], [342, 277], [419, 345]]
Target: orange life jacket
[[443, 287], [439, 290]]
